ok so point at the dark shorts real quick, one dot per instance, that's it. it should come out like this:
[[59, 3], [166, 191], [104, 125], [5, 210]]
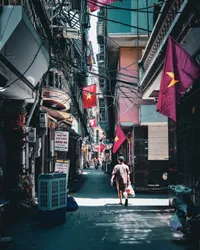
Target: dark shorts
[[121, 186]]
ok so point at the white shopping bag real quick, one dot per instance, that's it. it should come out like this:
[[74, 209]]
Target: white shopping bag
[[130, 191], [175, 223]]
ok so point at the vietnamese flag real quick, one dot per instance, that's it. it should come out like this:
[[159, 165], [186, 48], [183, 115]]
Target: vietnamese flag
[[92, 123], [97, 4], [119, 138], [89, 96], [102, 147], [179, 73]]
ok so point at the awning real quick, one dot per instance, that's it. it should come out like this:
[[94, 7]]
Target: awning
[[59, 115], [127, 126], [24, 50], [55, 99], [55, 104]]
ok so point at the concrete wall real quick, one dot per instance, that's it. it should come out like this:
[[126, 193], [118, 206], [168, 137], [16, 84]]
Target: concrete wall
[[149, 115]]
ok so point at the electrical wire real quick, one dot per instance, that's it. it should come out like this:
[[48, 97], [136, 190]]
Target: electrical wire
[[68, 66], [119, 70]]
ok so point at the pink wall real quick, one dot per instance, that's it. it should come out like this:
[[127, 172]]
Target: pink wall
[[129, 98]]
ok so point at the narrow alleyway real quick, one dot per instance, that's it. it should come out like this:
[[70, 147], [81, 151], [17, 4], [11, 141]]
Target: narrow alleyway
[[100, 223]]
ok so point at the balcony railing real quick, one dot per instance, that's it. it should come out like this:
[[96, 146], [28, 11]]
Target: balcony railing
[[175, 19], [168, 14]]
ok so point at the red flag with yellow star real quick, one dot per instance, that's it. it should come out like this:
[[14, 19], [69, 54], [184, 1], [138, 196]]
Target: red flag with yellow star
[[102, 147], [119, 138], [92, 123], [89, 96], [179, 73]]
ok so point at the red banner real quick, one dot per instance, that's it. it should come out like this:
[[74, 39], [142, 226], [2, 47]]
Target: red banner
[[119, 138], [179, 73], [92, 123], [102, 147], [89, 96]]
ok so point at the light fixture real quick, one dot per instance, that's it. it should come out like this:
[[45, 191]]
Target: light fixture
[[31, 80], [71, 33], [2, 89]]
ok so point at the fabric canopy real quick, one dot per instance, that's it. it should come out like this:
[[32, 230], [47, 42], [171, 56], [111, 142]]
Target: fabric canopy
[[59, 115]]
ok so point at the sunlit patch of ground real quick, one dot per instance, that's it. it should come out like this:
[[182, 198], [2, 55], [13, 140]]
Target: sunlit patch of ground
[[115, 201]]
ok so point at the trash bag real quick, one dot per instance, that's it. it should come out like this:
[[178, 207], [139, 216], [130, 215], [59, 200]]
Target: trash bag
[[71, 204], [175, 223], [130, 191]]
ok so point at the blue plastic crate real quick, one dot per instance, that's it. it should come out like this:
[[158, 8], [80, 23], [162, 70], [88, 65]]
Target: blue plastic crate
[[52, 191]]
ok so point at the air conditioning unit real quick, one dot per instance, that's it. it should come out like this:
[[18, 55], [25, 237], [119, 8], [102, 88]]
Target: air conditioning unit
[[103, 87], [101, 103], [71, 33], [101, 58], [102, 48], [43, 120], [102, 84], [102, 12], [100, 28], [102, 115], [32, 135]]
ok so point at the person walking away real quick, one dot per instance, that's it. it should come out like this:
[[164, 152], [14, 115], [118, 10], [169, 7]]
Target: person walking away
[[121, 174], [96, 164]]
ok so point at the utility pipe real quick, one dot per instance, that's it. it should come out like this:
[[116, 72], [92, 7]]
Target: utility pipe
[[27, 138]]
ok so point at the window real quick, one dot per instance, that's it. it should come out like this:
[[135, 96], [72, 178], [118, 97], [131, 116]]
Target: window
[[158, 144]]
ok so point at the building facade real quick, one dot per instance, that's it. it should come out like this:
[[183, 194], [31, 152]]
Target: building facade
[[178, 20], [44, 65], [125, 39]]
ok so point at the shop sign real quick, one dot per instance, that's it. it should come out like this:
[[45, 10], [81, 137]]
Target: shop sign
[[61, 141], [84, 148], [63, 167]]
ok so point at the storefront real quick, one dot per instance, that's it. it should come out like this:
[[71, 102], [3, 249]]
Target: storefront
[[188, 138]]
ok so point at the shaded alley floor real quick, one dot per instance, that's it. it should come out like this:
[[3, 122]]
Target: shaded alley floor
[[100, 223]]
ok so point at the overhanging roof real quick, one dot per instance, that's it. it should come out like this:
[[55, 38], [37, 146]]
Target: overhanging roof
[[23, 48]]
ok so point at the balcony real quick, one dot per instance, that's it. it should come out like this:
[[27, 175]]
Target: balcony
[[54, 92], [179, 20]]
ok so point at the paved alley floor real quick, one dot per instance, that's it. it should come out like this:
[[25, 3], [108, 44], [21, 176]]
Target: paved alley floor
[[101, 223]]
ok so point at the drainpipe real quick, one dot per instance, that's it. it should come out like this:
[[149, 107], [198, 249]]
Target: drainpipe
[[27, 139]]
